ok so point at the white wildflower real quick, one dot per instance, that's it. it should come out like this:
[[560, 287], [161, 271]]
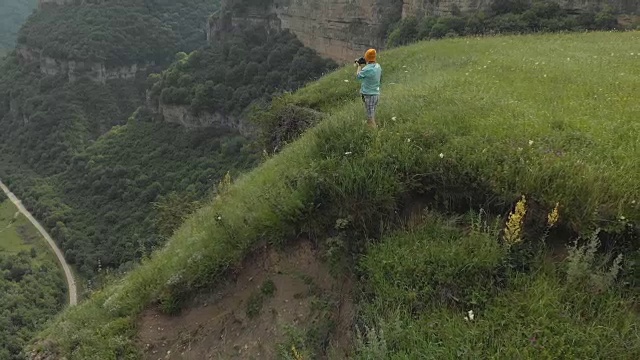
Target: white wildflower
[[408, 140], [470, 316], [441, 155], [394, 118], [219, 218], [345, 80], [530, 142], [348, 153]]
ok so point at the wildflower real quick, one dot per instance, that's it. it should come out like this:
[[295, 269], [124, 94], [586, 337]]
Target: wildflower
[[470, 316], [513, 229], [348, 153], [441, 155], [296, 354], [530, 142], [553, 216], [408, 140], [345, 80], [218, 218], [394, 118]]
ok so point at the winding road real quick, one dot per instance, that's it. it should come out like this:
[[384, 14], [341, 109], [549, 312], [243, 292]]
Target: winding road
[[71, 282]]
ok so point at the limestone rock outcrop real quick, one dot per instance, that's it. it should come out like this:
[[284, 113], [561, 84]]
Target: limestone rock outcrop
[[343, 29], [44, 3], [178, 114], [97, 72]]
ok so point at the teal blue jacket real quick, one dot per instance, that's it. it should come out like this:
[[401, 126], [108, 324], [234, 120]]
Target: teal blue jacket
[[369, 76]]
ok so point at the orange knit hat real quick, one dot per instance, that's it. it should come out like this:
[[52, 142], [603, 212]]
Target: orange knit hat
[[370, 55]]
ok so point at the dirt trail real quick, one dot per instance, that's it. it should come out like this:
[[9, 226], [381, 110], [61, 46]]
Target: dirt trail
[[71, 282]]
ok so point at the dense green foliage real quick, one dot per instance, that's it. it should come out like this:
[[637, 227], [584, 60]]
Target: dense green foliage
[[479, 123], [247, 65], [12, 14], [46, 120], [504, 17], [107, 200], [101, 208], [31, 284], [119, 32]]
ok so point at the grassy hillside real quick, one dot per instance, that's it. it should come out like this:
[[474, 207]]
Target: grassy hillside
[[31, 283], [12, 14], [466, 124]]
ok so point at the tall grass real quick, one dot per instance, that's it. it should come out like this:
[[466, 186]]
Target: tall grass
[[467, 121], [438, 293]]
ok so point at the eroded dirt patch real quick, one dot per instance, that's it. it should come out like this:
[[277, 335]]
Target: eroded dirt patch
[[277, 301]]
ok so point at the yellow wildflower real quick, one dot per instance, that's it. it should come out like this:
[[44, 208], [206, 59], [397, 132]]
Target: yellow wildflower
[[225, 183], [513, 229], [553, 216], [296, 354]]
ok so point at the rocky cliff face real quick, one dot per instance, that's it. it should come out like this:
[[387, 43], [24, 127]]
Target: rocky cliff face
[[342, 29], [97, 72], [43, 3], [181, 115], [336, 29]]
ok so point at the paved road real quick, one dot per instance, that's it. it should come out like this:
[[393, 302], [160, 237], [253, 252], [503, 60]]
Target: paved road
[[71, 282]]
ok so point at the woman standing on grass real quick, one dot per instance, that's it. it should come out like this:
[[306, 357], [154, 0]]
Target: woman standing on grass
[[369, 76]]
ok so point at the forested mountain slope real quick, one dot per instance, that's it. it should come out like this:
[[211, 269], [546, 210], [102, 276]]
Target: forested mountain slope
[[102, 178]]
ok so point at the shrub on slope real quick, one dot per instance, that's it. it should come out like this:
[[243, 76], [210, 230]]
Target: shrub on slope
[[471, 122]]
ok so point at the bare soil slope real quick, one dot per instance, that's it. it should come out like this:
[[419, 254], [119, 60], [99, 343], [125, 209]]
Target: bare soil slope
[[276, 301]]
